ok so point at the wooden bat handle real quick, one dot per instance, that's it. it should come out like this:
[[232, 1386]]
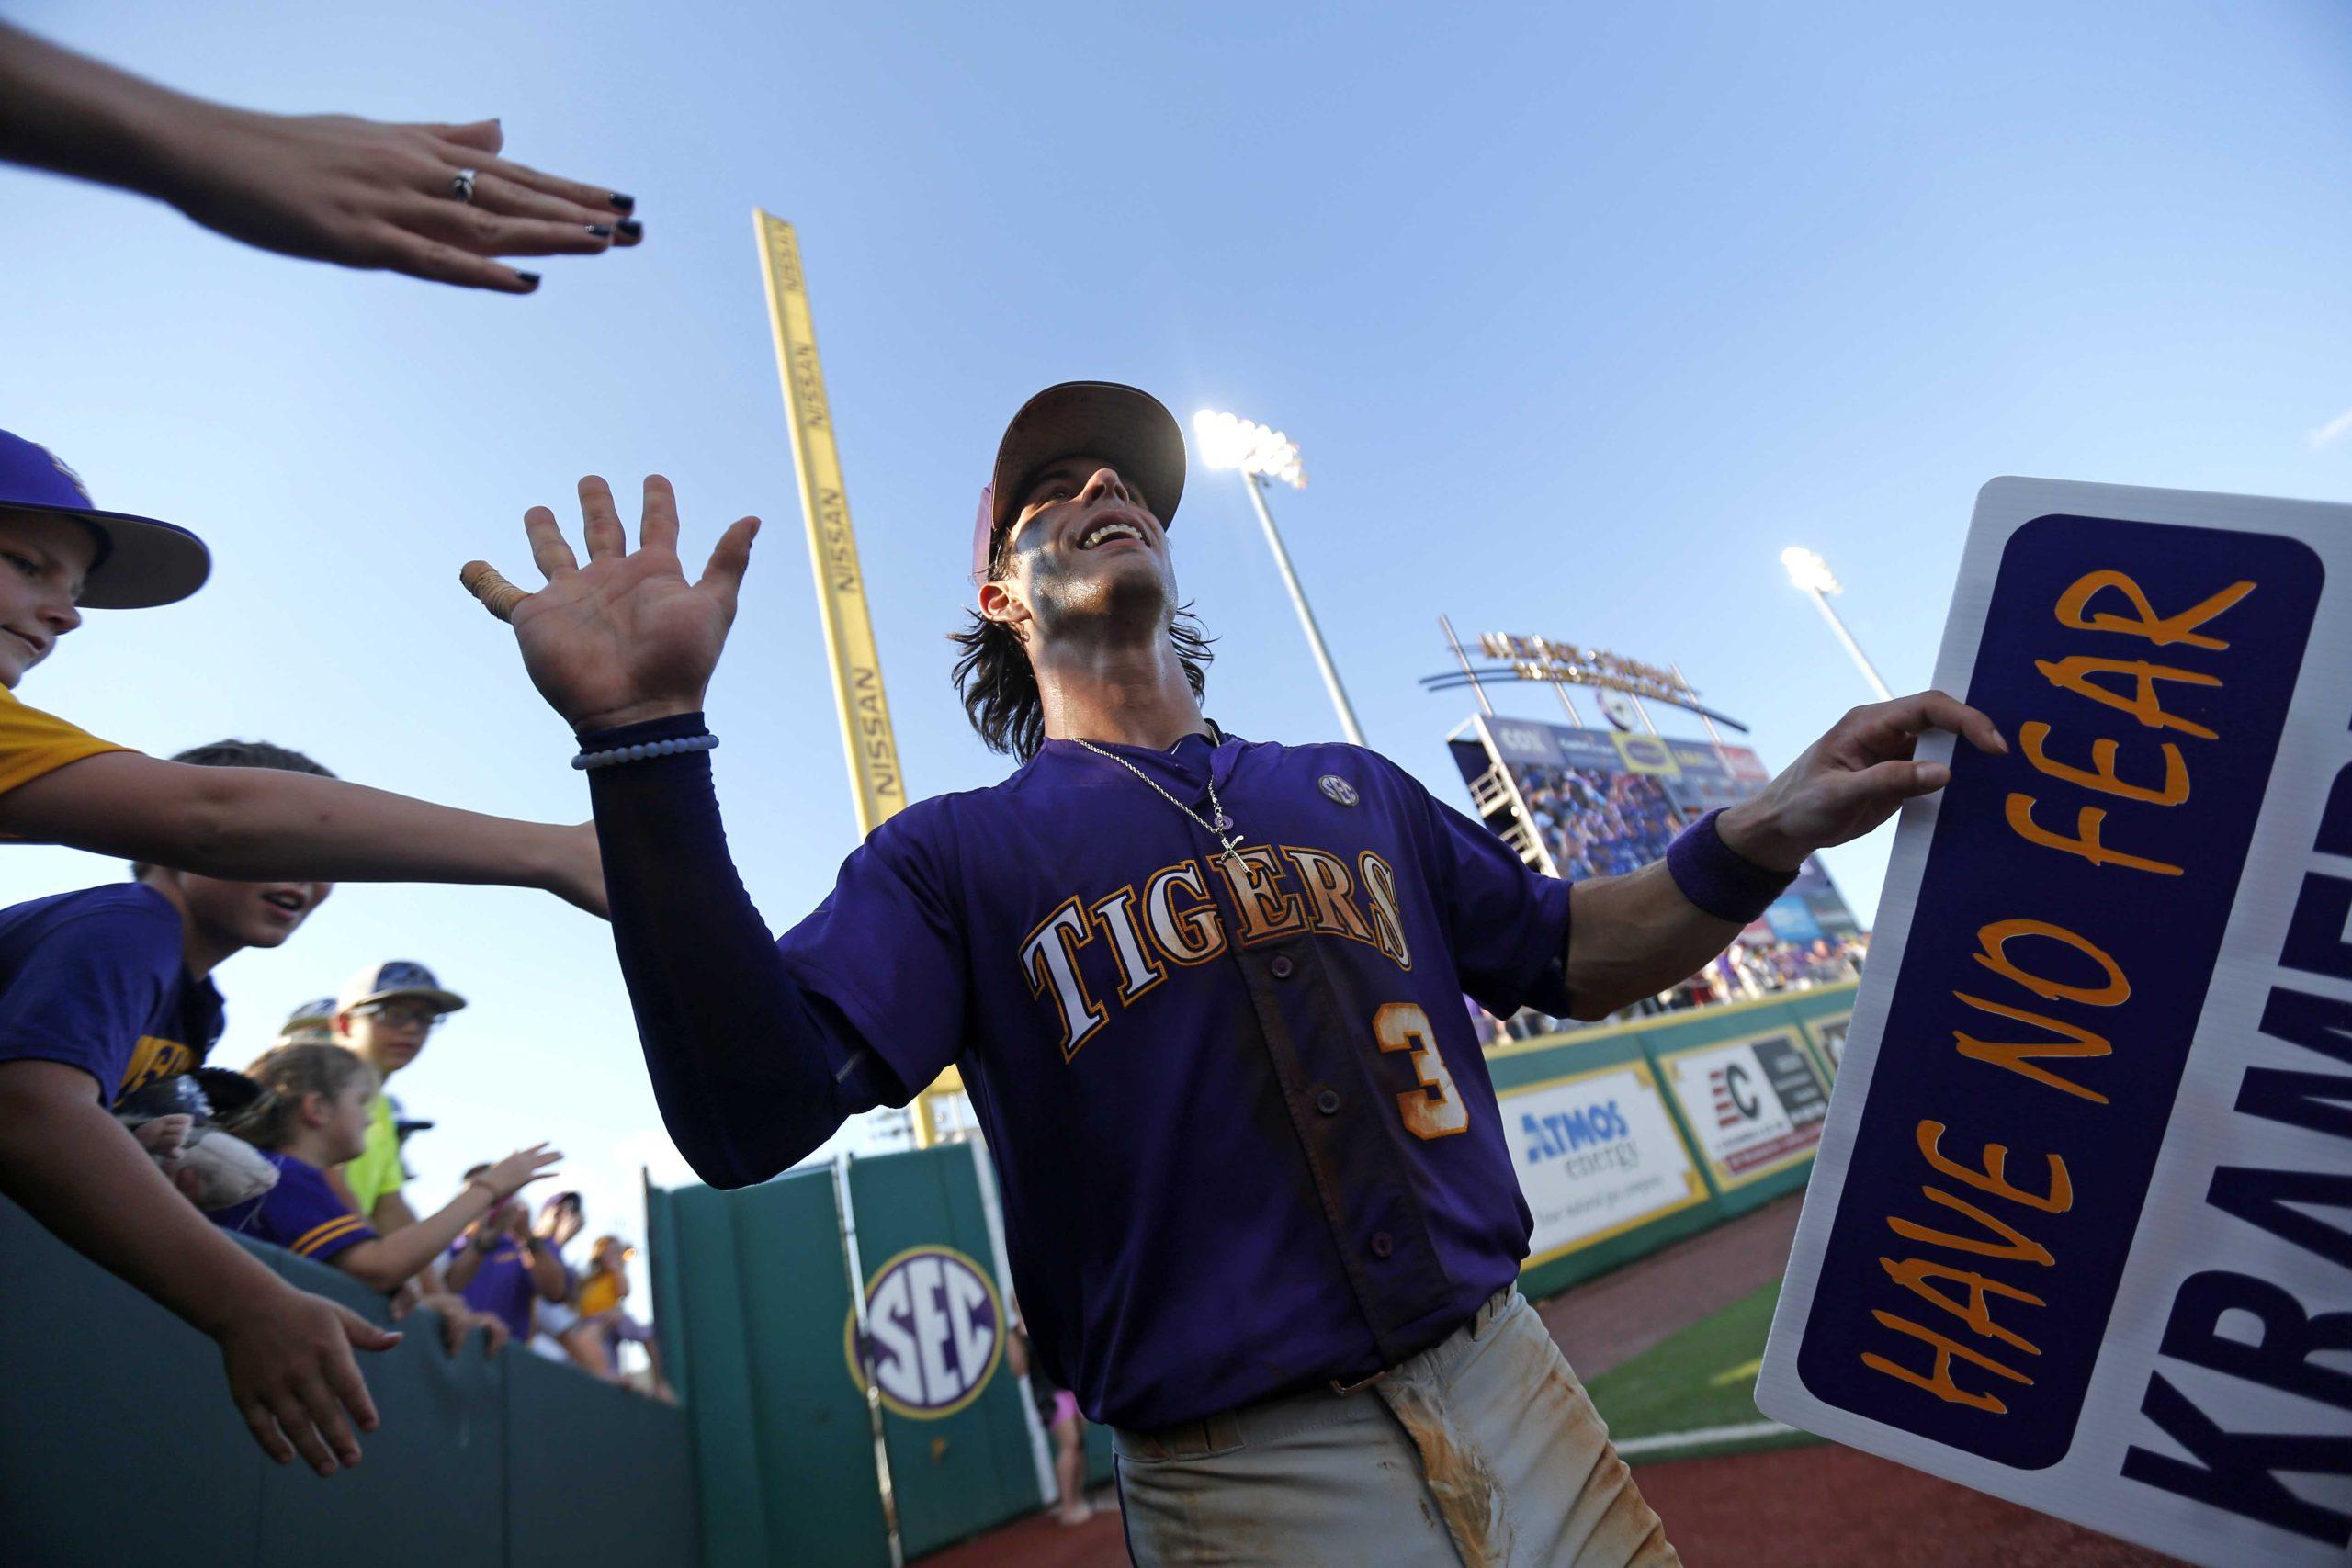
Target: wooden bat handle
[[497, 595]]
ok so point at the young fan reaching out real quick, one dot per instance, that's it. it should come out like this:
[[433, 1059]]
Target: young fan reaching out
[[319, 1120], [59, 557]]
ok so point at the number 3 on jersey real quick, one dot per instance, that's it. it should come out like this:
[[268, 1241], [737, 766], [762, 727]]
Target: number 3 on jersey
[[1401, 1026]]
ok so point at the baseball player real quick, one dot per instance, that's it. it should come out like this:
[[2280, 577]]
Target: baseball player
[[1205, 993]]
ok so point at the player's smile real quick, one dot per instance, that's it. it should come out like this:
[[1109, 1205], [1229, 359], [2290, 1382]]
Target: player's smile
[[1111, 527], [1105, 526], [1105, 512], [1112, 532]]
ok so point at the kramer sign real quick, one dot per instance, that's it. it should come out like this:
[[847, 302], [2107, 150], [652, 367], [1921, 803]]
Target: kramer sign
[[2080, 1230]]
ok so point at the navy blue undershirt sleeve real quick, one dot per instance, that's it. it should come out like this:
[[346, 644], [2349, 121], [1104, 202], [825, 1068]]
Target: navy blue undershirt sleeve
[[751, 1068]]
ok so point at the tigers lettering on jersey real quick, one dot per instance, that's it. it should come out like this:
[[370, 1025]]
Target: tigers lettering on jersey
[[1280, 890]]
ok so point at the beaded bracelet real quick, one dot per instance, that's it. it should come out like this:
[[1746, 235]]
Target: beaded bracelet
[[644, 751]]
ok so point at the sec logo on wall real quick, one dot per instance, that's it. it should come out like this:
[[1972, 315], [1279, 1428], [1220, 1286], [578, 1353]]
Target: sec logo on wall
[[936, 1328]]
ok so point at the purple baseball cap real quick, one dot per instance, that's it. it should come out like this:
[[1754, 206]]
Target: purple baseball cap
[[141, 562], [1125, 426]]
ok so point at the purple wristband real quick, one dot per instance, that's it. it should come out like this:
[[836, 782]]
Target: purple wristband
[[677, 727], [1717, 878]]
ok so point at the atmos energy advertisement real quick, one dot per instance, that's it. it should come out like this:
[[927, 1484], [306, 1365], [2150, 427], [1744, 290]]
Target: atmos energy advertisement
[[1596, 1154]]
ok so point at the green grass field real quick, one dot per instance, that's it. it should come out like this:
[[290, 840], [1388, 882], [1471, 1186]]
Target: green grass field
[[1703, 1376]]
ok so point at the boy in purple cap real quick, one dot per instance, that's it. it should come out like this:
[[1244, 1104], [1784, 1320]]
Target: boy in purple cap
[[1206, 996], [59, 555]]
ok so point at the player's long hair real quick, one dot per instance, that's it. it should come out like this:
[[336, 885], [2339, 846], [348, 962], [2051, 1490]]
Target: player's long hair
[[1000, 690]]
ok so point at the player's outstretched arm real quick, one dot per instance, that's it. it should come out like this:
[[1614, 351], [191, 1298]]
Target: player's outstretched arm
[[268, 825], [326, 187], [750, 1072], [1636, 935], [78, 1171]]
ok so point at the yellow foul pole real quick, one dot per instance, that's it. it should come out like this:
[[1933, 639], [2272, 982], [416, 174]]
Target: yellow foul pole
[[878, 787]]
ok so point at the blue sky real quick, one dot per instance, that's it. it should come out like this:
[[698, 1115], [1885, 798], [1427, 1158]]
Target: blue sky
[[1580, 314]]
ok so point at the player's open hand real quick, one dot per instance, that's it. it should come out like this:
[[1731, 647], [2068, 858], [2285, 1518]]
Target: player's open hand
[[358, 193], [1852, 779], [291, 1372], [624, 638]]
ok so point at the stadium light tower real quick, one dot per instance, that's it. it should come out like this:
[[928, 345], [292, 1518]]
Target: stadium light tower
[[1812, 574], [1260, 454]]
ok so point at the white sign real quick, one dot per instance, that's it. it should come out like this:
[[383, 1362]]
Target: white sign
[[2080, 1230], [1597, 1154], [1755, 1105]]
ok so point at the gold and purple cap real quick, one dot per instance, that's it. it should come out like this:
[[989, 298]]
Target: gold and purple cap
[[1125, 426], [141, 562]]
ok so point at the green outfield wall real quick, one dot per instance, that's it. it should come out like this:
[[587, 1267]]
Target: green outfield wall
[[1628, 1136], [119, 1444], [1649, 1132]]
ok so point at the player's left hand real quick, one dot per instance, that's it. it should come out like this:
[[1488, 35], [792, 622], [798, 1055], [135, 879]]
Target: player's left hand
[[1852, 779], [625, 636]]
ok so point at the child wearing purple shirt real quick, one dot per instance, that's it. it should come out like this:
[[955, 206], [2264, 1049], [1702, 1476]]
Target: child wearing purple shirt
[[503, 1269], [320, 1120]]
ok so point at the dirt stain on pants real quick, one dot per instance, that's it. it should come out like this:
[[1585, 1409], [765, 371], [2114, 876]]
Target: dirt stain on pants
[[1485, 1451], [1457, 1474]]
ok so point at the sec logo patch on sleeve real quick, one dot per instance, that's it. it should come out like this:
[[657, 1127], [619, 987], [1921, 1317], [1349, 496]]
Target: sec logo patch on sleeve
[[1338, 788]]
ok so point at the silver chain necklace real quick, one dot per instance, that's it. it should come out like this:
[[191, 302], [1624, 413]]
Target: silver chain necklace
[[1216, 828]]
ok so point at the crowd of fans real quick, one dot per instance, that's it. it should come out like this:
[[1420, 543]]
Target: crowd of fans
[[116, 1133], [1598, 823], [1743, 972], [329, 1183]]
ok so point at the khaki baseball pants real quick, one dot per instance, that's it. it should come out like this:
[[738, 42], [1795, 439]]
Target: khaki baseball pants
[[1483, 1451]]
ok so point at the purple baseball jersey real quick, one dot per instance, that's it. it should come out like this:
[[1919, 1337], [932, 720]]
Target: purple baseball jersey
[[1244, 1131]]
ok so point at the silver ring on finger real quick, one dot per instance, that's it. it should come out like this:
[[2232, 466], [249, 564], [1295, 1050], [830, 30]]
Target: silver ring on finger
[[461, 185]]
